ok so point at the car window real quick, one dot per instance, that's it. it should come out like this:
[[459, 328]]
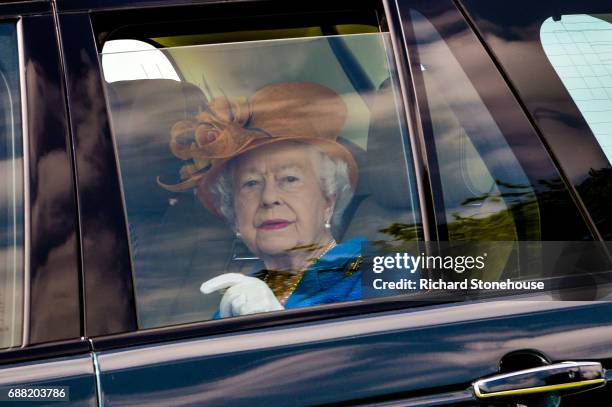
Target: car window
[[11, 192], [557, 57], [579, 47], [487, 196], [494, 180], [478, 186], [274, 158]]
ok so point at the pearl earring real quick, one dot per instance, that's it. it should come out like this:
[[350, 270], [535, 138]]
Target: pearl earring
[[327, 225], [238, 235]]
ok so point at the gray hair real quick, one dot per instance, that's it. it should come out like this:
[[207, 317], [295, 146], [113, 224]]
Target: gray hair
[[333, 177]]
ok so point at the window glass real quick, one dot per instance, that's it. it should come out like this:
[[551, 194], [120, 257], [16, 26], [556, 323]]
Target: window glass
[[557, 56], [495, 182], [122, 63], [579, 48], [486, 194], [274, 158], [11, 192]]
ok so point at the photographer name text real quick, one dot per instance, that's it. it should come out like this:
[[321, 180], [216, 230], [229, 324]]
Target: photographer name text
[[472, 284]]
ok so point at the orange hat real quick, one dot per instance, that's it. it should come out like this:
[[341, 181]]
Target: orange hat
[[300, 111]]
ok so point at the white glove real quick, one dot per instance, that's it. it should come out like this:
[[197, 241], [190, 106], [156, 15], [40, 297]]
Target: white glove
[[244, 295]]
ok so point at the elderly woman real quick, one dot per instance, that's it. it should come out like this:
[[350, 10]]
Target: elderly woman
[[271, 167]]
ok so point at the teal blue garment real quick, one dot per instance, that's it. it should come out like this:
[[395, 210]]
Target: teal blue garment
[[328, 280]]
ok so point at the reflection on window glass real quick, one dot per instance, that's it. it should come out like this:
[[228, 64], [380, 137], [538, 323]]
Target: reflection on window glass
[[261, 173], [487, 195], [122, 62], [579, 47], [11, 195]]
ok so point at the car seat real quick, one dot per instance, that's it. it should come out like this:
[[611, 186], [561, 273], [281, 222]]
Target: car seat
[[386, 208], [168, 231]]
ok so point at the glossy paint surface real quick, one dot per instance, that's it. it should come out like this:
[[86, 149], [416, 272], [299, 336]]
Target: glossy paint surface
[[75, 372], [54, 261], [351, 359], [44, 351], [105, 251]]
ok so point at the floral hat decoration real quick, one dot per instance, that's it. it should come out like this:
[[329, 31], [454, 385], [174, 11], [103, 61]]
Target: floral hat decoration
[[231, 126]]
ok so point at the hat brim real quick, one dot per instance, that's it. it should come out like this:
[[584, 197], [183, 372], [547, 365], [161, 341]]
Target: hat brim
[[330, 147]]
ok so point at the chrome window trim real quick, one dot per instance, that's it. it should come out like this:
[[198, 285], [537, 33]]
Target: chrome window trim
[[96, 367], [26, 186]]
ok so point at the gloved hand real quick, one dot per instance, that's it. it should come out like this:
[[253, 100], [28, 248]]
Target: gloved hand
[[244, 295]]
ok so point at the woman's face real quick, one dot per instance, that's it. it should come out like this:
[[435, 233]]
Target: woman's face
[[278, 200]]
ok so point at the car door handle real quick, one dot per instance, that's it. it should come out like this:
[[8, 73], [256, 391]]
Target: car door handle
[[559, 377]]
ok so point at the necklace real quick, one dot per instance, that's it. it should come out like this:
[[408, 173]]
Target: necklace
[[284, 284]]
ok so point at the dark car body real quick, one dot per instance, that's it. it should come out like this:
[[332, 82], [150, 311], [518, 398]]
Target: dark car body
[[81, 326]]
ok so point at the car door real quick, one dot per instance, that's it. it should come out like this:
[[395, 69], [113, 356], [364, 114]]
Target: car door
[[44, 356], [467, 164]]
